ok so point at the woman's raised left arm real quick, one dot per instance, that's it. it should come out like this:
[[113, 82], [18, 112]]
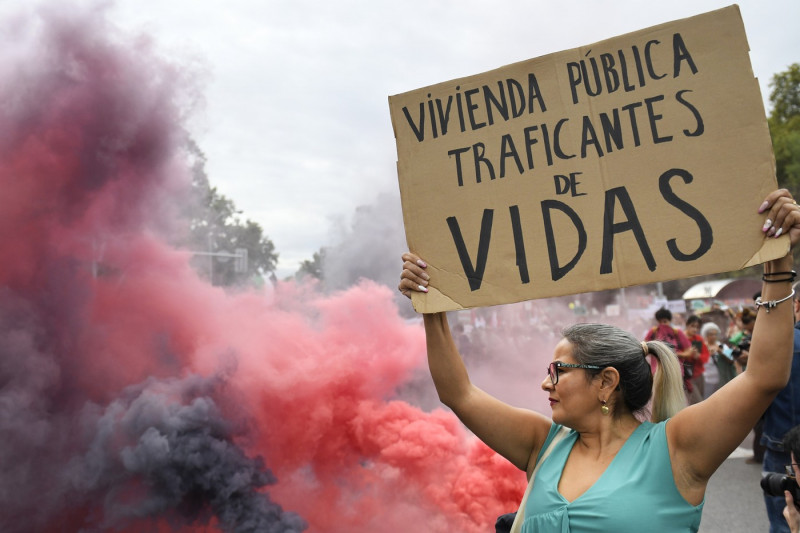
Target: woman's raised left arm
[[702, 436]]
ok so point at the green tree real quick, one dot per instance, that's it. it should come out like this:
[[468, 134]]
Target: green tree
[[312, 267], [216, 226], [784, 126]]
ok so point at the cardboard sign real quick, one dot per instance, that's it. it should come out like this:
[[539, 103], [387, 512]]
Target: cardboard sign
[[637, 159]]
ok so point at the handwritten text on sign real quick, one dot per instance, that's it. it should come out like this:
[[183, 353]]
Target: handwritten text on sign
[[623, 162]]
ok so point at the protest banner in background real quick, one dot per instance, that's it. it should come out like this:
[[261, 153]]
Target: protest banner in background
[[637, 159]]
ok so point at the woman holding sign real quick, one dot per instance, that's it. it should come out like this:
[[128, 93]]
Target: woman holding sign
[[596, 465]]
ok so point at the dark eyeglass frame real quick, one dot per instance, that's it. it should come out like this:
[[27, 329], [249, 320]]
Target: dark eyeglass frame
[[789, 469], [552, 369]]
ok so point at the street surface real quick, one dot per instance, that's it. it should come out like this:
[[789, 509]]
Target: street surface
[[734, 500]]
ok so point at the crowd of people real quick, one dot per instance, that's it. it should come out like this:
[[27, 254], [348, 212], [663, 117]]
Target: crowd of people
[[709, 356], [712, 348]]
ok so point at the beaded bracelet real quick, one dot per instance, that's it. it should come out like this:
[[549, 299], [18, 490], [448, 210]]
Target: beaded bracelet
[[791, 276], [770, 304]]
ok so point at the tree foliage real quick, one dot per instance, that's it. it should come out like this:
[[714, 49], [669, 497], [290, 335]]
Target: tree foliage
[[784, 126], [313, 267], [216, 226]]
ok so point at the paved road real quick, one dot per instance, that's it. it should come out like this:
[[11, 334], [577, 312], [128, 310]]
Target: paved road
[[734, 501]]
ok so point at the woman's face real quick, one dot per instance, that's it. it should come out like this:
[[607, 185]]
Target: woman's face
[[691, 329], [711, 336], [573, 397]]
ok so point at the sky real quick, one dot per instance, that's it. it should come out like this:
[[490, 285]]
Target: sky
[[294, 116]]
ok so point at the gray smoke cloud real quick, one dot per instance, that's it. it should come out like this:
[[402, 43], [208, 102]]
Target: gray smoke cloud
[[369, 246], [33, 438], [163, 449]]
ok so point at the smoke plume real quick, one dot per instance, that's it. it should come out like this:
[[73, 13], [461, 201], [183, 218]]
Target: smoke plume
[[133, 395], [375, 236]]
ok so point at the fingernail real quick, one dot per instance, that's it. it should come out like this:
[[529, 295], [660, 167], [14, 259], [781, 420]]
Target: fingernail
[[778, 233], [763, 206], [767, 225], [423, 289], [421, 263]]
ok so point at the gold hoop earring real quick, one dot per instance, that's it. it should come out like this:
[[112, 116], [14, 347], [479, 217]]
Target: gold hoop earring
[[604, 408]]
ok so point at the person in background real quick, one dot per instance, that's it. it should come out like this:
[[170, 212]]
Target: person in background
[[726, 364], [741, 339], [710, 333], [782, 415], [699, 355], [677, 340], [791, 514], [462, 341]]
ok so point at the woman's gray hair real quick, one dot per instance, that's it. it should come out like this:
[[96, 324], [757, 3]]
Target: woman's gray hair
[[609, 346], [709, 326]]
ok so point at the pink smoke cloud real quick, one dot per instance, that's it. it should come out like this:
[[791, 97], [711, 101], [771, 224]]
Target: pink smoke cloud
[[135, 393]]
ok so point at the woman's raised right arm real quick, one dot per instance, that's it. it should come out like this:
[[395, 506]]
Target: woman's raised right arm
[[516, 434]]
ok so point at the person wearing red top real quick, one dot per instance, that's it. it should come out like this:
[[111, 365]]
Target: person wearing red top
[[680, 344], [699, 354]]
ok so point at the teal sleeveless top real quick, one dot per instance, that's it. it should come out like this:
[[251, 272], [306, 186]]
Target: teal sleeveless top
[[636, 493]]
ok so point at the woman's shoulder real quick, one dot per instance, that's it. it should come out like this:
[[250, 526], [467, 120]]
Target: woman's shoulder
[[655, 433], [557, 431], [653, 427]]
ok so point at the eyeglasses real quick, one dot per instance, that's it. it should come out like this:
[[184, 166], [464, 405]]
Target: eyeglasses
[[789, 469], [552, 369]]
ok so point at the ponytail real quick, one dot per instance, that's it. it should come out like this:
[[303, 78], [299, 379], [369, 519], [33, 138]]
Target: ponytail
[[668, 395]]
